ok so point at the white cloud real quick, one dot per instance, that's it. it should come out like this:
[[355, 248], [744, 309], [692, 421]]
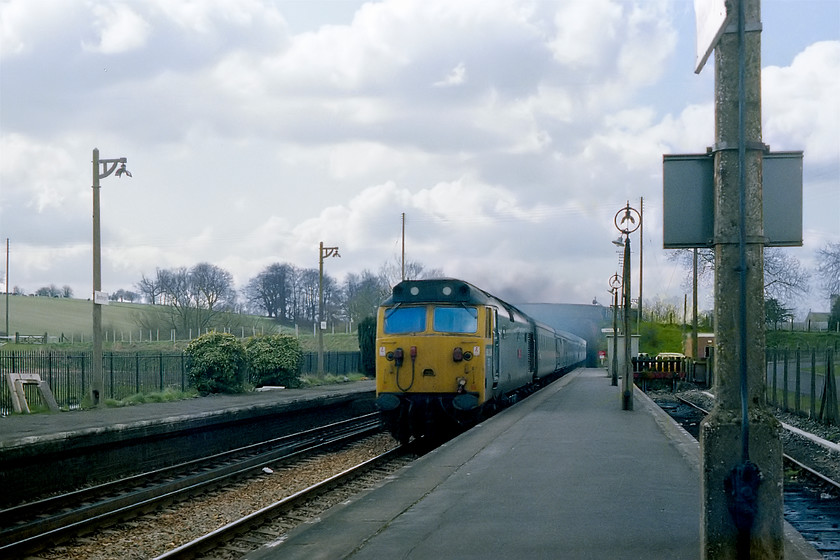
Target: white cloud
[[456, 77], [509, 132], [800, 106], [119, 29]]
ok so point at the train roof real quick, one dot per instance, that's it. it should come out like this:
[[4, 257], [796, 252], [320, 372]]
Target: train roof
[[445, 290]]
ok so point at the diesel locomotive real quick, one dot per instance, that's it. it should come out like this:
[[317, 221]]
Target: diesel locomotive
[[449, 353]]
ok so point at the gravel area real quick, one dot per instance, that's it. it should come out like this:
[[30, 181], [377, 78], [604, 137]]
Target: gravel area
[[807, 452], [152, 535]]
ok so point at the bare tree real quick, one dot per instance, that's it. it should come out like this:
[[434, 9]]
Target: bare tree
[[828, 268], [151, 288], [48, 291], [364, 292], [212, 287], [270, 290], [784, 279], [195, 296], [391, 271]]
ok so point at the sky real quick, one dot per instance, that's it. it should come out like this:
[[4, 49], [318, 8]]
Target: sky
[[508, 132]]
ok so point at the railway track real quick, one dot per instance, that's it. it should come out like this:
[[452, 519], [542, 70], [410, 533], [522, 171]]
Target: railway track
[[811, 499], [33, 526], [270, 523]]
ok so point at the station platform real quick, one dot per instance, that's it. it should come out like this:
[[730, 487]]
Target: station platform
[[565, 474], [54, 452], [26, 430]]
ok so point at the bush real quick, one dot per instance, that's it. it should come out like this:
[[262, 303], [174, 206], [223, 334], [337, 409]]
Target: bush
[[367, 344], [216, 363], [274, 360]]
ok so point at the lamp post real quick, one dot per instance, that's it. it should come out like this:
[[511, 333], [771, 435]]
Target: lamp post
[[324, 252], [108, 166], [627, 220], [615, 284]]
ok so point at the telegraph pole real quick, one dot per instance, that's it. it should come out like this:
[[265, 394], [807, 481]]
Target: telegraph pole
[[323, 252], [101, 168], [741, 453]]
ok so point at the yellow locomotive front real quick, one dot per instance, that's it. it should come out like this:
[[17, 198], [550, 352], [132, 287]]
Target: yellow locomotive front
[[435, 344]]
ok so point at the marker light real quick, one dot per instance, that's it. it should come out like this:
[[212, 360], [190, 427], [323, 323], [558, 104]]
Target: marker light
[[457, 354]]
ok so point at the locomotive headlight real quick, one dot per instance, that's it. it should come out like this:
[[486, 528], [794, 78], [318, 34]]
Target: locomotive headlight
[[468, 356]]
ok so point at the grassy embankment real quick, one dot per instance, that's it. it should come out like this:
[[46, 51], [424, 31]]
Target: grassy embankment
[[68, 324]]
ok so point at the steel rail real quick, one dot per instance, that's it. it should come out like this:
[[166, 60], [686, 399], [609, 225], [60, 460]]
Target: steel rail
[[212, 540], [29, 536], [797, 464]]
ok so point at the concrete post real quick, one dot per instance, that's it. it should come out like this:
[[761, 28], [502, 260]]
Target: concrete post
[[97, 383], [739, 319], [614, 373], [320, 309]]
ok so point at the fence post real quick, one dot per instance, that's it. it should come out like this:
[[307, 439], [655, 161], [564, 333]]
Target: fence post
[[84, 384], [797, 399], [828, 408], [775, 375], [813, 408], [50, 369], [161, 371], [785, 406], [111, 373], [136, 370]]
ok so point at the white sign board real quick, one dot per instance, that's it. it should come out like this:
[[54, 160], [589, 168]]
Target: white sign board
[[712, 20], [100, 298]]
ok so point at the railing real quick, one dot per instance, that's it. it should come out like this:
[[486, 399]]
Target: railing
[[800, 381], [804, 382], [671, 369], [126, 373]]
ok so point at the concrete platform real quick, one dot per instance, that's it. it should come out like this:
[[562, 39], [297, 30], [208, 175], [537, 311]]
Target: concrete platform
[[564, 474], [41, 453], [28, 429]]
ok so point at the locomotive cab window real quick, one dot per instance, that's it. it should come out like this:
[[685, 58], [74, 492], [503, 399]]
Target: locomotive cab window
[[456, 319], [405, 320]]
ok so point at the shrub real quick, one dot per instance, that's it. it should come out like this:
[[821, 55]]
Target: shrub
[[216, 363], [367, 344], [274, 360]]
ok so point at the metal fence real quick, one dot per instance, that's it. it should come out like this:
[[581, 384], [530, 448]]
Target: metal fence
[[800, 381], [804, 382], [126, 373]]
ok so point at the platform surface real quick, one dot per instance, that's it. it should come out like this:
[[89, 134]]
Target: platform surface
[[23, 429], [565, 474]]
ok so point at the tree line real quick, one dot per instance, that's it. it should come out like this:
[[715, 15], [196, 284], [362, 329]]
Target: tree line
[[785, 280], [193, 298]]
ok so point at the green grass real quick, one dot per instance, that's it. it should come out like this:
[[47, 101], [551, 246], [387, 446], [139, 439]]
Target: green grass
[[69, 325], [168, 395], [329, 379], [39, 315]]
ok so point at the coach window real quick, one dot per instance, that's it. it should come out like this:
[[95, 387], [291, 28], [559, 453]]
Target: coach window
[[405, 320], [456, 319]]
